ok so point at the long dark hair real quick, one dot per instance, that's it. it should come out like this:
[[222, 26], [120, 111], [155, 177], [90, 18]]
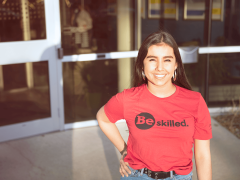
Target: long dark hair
[[156, 38]]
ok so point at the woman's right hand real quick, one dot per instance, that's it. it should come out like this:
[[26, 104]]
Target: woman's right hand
[[123, 169]]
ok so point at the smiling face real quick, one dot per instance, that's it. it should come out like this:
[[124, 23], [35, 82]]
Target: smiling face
[[159, 65]]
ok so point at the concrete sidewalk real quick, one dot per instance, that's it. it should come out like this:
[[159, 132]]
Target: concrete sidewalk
[[86, 154]]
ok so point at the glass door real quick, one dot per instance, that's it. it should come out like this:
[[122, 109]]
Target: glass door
[[28, 73], [98, 43]]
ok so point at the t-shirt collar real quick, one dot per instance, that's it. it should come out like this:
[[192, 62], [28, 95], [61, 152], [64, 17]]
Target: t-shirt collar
[[150, 95]]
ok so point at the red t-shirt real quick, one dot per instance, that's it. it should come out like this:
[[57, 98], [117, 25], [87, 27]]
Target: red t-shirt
[[161, 130]]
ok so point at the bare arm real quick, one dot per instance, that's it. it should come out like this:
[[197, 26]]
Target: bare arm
[[203, 159], [111, 131]]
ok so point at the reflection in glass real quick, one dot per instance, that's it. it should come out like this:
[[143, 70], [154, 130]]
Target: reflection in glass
[[185, 32], [188, 26], [22, 20], [227, 32], [87, 87], [195, 73], [92, 26], [24, 92], [224, 79], [195, 10]]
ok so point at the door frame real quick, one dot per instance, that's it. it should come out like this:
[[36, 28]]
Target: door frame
[[36, 51]]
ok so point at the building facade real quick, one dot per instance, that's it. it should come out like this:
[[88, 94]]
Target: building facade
[[61, 60]]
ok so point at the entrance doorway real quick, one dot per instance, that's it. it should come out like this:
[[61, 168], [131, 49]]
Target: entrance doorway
[[98, 40], [28, 86]]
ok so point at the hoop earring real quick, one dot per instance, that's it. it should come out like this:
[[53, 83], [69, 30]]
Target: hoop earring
[[143, 75], [175, 75]]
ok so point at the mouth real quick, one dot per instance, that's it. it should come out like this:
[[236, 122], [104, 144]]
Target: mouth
[[160, 76]]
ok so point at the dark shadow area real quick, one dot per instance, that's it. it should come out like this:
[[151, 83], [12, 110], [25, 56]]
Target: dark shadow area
[[112, 158]]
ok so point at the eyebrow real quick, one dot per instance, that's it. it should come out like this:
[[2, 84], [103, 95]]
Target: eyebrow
[[168, 57], [150, 56]]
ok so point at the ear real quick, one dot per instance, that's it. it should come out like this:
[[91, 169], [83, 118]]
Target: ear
[[176, 65]]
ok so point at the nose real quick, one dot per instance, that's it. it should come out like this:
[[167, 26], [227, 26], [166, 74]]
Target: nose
[[159, 66]]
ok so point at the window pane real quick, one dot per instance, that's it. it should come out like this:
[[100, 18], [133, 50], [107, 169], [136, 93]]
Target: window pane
[[89, 85], [184, 20], [226, 32], [24, 90], [22, 20], [195, 73], [93, 26], [172, 16], [224, 79]]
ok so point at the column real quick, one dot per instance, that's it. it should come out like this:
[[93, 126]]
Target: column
[[27, 37], [124, 43]]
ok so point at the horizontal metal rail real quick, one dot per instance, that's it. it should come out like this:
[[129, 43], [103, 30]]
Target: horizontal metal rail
[[133, 54]]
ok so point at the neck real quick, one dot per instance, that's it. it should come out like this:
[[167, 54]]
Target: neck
[[161, 91]]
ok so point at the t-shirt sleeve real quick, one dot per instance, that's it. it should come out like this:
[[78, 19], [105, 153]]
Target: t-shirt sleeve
[[203, 127], [114, 108]]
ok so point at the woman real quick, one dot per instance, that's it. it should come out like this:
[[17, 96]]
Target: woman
[[164, 117]]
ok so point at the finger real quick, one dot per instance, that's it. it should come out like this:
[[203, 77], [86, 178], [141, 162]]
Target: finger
[[124, 171], [120, 170], [127, 167]]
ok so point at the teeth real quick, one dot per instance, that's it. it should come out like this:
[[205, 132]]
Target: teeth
[[160, 75]]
